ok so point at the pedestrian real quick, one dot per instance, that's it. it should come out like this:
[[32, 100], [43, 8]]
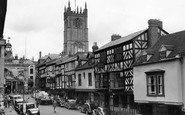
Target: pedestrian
[[5, 101], [37, 102], [54, 105], [8, 101]]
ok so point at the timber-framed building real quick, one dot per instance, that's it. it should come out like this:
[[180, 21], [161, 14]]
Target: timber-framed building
[[114, 66]]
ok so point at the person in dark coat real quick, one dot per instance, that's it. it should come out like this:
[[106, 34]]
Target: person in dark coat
[[54, 105]]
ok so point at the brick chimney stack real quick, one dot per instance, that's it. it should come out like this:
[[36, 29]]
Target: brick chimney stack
[[94, 47], [115, 37], [154, 33]]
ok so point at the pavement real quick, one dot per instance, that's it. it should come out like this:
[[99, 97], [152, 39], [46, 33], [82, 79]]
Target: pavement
[[10, 111]]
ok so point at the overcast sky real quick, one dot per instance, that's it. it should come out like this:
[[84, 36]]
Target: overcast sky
[[37, 25]]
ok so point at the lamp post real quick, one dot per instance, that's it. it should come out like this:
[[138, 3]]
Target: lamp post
[[24, 83]]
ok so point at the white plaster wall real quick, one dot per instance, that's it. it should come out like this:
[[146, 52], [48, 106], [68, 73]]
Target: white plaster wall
[[85, 81], [172, 82]]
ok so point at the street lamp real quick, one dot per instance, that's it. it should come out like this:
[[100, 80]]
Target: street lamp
[[24, 82]]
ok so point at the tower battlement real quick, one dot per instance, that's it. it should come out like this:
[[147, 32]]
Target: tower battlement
[[79, 11]]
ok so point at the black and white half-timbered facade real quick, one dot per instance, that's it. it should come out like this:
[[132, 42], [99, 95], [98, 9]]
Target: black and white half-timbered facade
[[114, 67]]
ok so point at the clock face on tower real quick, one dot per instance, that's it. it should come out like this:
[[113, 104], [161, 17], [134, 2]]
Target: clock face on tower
[[77, 22]]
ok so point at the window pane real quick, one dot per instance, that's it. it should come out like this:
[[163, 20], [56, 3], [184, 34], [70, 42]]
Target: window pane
[[152, 84], [160, 85], [160, 89]]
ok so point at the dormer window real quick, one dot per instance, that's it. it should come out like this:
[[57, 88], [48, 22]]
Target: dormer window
[[144, 58], [165, 51], [162, 54], [146, 55]]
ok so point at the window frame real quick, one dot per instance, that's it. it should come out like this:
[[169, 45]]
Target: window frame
[[90, 79], [79, 80], [162, 55], [156, 75], [31, 71]]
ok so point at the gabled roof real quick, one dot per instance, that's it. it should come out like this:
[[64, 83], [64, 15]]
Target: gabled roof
[[84, 66], [52, 56], [51, 62], [174, 42], [81, 55], [121, 40], [42, 60]]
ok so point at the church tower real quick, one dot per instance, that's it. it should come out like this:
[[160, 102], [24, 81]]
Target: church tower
[[75, 30]]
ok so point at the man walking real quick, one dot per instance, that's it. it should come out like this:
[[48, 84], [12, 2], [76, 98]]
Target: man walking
[[54, 105]]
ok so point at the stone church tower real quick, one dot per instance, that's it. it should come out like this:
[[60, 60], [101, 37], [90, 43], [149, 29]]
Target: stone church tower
[[75, 30]]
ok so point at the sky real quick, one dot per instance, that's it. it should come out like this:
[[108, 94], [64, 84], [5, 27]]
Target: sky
[[37, 25]]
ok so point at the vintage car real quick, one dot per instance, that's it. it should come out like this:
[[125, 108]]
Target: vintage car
[[17, 109], [29, 109], [100, 111], [71, 104], [17, 102], [87, 108], [60, 102], [45, 101], [14, 97]]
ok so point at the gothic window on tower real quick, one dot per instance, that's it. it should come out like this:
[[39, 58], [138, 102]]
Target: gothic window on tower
[[77, 22], [79, 47]]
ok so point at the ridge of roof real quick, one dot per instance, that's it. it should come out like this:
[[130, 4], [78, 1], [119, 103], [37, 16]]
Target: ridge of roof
[[121, 40]]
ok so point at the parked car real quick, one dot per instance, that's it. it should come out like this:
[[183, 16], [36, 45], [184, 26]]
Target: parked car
[[88, 108], [70, 104], [17, 109], [60, 102], [17, 101], [14, 97], [29, 109], [45, 101], [100, 111]]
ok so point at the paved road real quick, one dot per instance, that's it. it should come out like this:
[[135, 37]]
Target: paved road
[[48, 109]]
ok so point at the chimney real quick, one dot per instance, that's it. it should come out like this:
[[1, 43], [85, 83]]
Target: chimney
[[94, 47], [40, 54], [154, 33], [16, 57], [115, 37]]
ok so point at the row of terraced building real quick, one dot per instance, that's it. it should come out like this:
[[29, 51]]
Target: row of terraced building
[[141, 73]]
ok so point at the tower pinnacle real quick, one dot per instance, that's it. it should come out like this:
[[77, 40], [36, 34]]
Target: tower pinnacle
[[69, 3], [85, 5]]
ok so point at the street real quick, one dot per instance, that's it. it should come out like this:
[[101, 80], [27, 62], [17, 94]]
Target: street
[[48, 109]]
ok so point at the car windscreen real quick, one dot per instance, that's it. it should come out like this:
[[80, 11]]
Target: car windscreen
[[20, 102], [29, 106], [72, 101], [17, 97]]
